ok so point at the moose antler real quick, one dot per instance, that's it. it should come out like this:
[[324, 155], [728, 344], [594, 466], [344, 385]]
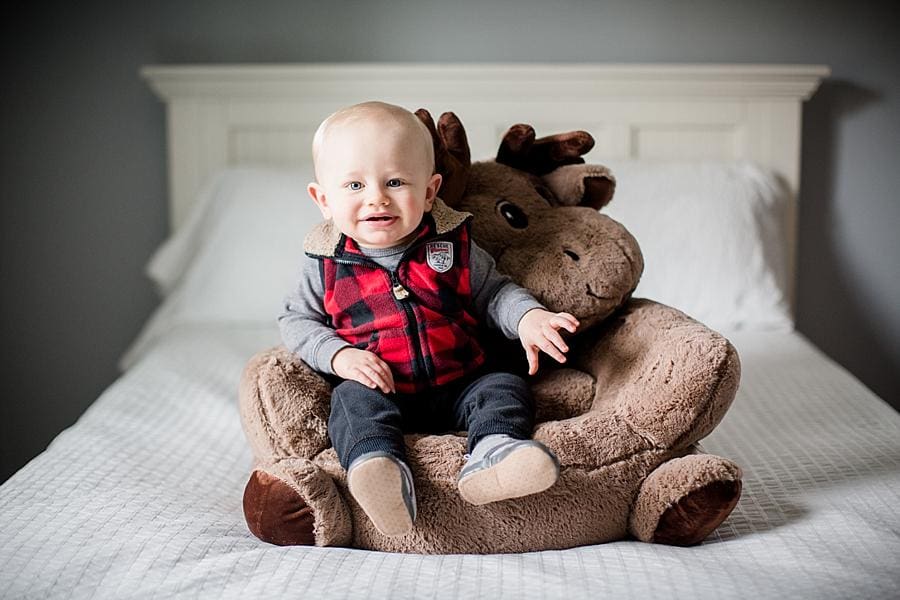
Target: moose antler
[[451, 154], [520, 150]]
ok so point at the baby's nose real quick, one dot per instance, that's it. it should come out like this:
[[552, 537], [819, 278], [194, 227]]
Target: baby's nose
[[378, 197]]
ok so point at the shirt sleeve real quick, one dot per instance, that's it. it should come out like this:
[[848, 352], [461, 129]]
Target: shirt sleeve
[[304, 324], [498, 300]]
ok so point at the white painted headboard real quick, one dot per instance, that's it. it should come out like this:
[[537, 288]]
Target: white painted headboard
[[227, 115]]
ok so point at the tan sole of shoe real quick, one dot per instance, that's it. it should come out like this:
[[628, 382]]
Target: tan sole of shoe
[[525, 471], [377, 485]]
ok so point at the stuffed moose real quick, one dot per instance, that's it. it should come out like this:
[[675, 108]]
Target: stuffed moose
[[642, 385]]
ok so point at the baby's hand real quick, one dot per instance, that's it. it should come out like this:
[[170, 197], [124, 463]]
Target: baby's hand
[[365, 367], [538, 330]]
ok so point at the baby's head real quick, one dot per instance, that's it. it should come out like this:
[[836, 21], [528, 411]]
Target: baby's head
[[374, 173]]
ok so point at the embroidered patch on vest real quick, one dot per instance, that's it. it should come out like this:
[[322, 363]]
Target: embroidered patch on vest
[[439, 256]]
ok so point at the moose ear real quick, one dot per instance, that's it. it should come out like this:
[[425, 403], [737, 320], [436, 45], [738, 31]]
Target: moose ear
[[582, 185], [598, 191]]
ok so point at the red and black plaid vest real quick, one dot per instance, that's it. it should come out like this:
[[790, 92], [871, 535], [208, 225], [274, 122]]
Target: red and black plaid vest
[[417, 319]]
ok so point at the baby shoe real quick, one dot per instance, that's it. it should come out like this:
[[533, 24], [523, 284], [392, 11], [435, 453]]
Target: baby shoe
[[509, 468], [383, 487]]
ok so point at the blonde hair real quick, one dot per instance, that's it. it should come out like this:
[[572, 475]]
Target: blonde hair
[[382, 111]]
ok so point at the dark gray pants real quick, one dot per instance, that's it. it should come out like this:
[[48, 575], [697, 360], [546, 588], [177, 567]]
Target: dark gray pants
[[365, 420]]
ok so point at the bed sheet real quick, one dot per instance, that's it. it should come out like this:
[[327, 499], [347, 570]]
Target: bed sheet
[[142, 499]]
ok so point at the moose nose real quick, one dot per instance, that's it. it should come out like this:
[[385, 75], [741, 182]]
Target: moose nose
[[572, 255]]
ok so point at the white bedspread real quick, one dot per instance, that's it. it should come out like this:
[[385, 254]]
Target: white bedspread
[[142, 498]]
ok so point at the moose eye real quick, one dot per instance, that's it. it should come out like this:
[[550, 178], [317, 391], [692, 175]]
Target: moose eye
[[514, 215]]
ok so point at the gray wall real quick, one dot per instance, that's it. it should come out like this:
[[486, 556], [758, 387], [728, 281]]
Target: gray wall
[[83, 166]]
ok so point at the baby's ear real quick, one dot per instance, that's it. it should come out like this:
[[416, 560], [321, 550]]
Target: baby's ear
[[431, 191], [317, 193]]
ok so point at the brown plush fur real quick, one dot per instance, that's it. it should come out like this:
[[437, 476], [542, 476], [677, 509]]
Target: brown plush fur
[[643, 384]]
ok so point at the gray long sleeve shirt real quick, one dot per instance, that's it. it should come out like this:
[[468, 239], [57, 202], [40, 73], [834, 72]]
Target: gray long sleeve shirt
[[303, 324]]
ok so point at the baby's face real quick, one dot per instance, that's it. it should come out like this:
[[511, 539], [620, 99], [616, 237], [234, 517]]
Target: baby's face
[[374, 181]]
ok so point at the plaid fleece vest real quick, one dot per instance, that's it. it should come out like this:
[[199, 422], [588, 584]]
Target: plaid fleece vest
[[417, 318]]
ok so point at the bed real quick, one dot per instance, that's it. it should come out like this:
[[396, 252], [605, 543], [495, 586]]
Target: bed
[[707, 159]]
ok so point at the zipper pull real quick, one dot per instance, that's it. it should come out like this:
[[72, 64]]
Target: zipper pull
[[400, 292]]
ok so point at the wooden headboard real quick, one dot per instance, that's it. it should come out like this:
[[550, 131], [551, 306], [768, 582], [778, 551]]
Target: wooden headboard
[[228, 115]]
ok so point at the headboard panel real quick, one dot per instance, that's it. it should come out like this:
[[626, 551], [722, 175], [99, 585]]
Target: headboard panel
[[266, 114], [228, 115]]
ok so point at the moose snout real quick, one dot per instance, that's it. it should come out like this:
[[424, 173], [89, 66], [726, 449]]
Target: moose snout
[[571, 254]]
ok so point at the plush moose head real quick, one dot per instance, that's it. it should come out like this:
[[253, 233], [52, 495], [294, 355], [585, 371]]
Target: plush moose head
[[543, 227]]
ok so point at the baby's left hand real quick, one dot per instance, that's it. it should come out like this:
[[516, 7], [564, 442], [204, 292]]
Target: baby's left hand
[[538, 330]]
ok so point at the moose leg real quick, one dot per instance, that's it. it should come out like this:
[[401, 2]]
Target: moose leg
[[284, 411], [294, 502], [685, 499]]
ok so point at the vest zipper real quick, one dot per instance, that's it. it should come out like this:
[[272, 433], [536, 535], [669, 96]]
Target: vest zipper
[[401, 294], [401, 297]]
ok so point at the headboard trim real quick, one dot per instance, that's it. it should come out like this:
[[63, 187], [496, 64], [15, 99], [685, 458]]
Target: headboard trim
[[324, 81]]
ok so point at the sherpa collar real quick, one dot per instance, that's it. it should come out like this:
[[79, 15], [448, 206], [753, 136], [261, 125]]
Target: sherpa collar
[[324, 238]]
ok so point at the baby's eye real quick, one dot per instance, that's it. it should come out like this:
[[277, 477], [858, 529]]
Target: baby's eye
[[394, 182], [355, 186]]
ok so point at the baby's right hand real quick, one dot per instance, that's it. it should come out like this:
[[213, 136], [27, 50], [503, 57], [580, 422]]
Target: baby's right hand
[[365, 367]]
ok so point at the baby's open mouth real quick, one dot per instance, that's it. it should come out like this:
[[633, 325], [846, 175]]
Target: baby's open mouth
[[383, 218]]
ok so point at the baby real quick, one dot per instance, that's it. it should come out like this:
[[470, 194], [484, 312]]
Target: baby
[[390, 297]]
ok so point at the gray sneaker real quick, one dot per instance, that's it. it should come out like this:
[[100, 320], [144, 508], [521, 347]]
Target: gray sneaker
[[383, 487], [509, 470]]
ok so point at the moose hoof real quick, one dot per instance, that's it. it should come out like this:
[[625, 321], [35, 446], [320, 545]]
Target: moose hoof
[[276, 513], [684, 499], [692, 518]]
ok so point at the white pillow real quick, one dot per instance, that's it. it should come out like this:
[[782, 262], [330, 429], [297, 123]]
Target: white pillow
[[237, 254], [713, 236]]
